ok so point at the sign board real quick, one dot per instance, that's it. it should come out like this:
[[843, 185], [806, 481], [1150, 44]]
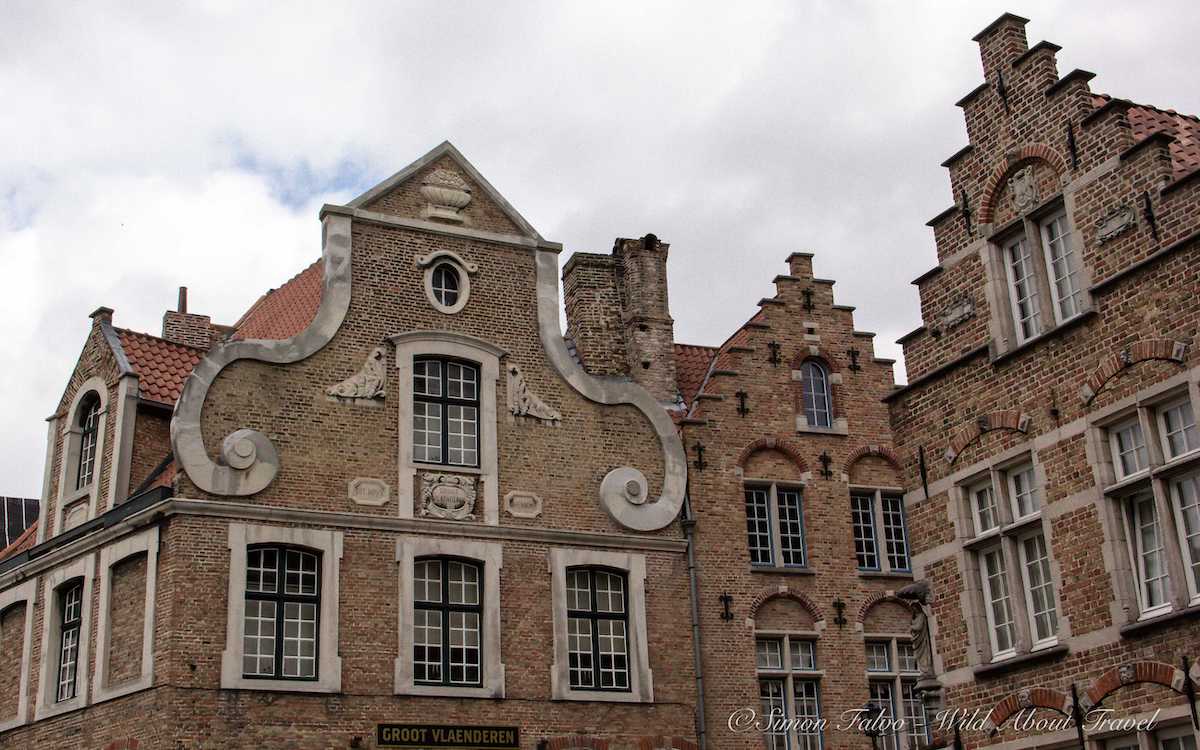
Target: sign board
[[448, 736]]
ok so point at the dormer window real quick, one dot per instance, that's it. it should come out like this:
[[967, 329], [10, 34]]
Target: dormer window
[[89, 425], [818, 403]]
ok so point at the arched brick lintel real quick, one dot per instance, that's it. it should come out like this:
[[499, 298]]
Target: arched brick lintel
[[785, 593], [1157, 672], [879, 451], [576, 742], [1012, 160], [665, 743], [1030, 698], [876, 598], [776, 443], [1142, 351], [969, 432]]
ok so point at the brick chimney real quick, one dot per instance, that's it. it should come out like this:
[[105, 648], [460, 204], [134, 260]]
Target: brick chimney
[[618, 314], [1000, 43], [183, 327]]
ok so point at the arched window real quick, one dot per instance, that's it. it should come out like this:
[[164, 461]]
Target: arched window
[[818, 404], [89, 424], [447, 622], [283, 600]]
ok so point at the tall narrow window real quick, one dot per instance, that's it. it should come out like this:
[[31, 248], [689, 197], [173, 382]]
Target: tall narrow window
[[818, 403], [1186, 492], [1039, 589], [1178, 426], [445, 412], [597, 629], [775, 525], [895, 536], [999, 611], [790, 691], [862, 511], [446, 622], [283, 597], [879, 530], [1023, 290], [1149, 558], [1129, 449], [983, 505], [1063, 266], [89, 424], [71, 607], [892, 673], [1023, 492]]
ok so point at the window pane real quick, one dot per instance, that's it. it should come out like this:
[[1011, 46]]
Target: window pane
[[462, 381], [299, 639], [816, 395], [258, 639], [427, 645], [461, 434], [1187, 500], [1179, 429], [774, 710], [984, 501], [464, 582], [758, 526], [906, 658], [1043, 613], [610, 593], [445, 284], [1130, 449], [1026, 312], [464, 648], [915, 724], [770, 653], [999, 609], [894, 536], [427, 581], [579, 652], [300, 573], [1148, 542], [878, 656], [806, 697], [427, 377], [791, 527], [614, 667], [803, 655], [427, 432], [863, 517], [1024, 493], [1064, 267], [89, 423], [579, 591], [881, 695], [262, 566]]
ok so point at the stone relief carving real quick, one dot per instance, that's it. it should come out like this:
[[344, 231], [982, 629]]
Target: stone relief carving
[[1115, 222], [520, 504], [524, 403], [959, 310], [449, 496], [1023, 186], [367, 491], [448, 194], [1127, 674], [365, 385]]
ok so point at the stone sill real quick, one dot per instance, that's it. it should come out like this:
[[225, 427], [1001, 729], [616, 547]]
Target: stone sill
[[837, 431], [1017, 662], [891, 574], [781, 570], [1135, 629]]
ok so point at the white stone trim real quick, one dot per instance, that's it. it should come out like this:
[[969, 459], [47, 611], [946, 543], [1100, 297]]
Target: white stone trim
[[491, 556], [83, 567], [465, 270], [47, 476], [446, 344], [146, 541], [641, 679], [329, 668], [70, 452], [26, 593], [122, 455]]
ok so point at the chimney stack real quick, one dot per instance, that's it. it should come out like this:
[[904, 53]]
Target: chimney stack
[[183, 327]]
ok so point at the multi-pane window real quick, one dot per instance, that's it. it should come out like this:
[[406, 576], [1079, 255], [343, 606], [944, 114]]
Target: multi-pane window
[[1166, 738], [445, 284], [1177, 423], [1149, 558], [775, 525], [283, 602], [892, 674], [597, 629], [89, 426], [871, 510], [1129, 448], [70, 600], [1185, 492], [1012, 556], [789, 688], [445, 412], [1062, 266], [1022, 289], [818, 402], [447, 616]]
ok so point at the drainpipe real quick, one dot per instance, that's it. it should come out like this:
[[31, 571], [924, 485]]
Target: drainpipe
[[689, 529]]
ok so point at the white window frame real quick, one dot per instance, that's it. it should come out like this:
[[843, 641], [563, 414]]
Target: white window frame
[[789, 675], [989, 602], [882, 558], [487, 356], [1160, 415], [24, 594], [1141, 452], [329, 667], [490, 557], [88, 495], [1184, 528], [774, 521], [1131, 517], [1023, 562], [973, 493], [47, 699], [1070, 258], [1011, 475], [641, 678], [1021, 241], [144, 542]]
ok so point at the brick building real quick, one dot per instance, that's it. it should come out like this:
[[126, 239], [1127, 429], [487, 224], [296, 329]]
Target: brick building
[[394, 494]]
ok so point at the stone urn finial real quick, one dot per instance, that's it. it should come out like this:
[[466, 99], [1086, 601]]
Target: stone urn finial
[[447, 194]]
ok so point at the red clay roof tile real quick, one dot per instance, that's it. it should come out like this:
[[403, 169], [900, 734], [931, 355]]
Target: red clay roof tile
[[21, 543], [161, 365], [282, 313], [691, 367], [1145, 120]]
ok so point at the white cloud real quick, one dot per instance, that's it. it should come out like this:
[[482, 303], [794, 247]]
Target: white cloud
[[149, 146]]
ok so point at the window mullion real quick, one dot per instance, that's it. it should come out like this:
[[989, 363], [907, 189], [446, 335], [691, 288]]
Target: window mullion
[[774, 526], [881, 551]]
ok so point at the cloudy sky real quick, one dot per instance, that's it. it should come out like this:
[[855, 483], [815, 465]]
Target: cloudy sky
[[149, 146]]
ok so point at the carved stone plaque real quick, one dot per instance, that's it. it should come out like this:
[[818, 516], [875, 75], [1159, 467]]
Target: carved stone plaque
[[367, 491], [521, 504], [1023, 186], [449, 496]]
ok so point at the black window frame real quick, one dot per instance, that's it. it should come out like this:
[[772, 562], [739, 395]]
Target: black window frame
[[446, 267], [826, 392], [89, 429], [281, 599], [445, 607], [445, 401], [65, 626], [594, 616]]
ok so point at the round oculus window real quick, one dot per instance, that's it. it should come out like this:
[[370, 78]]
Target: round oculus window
[[446, 284]]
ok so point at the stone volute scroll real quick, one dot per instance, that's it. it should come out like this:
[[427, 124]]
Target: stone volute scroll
[[524, 403], [248, 461], [365, 386]]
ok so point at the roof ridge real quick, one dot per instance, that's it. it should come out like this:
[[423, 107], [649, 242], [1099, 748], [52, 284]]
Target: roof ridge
[[157, 338]]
